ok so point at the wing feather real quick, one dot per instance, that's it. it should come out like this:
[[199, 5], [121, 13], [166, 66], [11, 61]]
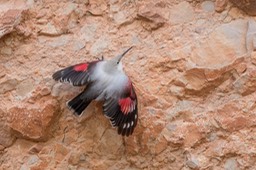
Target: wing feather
[[77, 75], [122, 110]]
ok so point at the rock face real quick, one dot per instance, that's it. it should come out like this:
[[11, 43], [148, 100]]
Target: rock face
[[194, 76], [33, 121], [152, 15], [220, 5], [6, 137], [248, 6], [9, 21]]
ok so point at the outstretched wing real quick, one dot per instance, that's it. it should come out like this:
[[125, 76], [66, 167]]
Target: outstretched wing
[[123, 110], [77, 75]]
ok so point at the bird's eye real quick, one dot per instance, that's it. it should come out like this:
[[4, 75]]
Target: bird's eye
[[117, 62]]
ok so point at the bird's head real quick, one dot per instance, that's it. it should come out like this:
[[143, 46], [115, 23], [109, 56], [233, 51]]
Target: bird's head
[[116, 61]]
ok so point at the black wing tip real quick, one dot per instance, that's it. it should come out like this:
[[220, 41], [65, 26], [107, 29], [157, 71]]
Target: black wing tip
[[77, 105], [127, 128], [69, 75], [60, 75], [76, 113], [70, 107], [125, 122], [56, 76], [125, 132]]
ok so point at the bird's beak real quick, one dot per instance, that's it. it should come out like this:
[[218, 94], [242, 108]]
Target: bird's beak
[[126, 51]]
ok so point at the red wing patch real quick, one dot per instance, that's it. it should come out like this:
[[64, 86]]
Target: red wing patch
[[81, 67], [77, 74], [126, 105]]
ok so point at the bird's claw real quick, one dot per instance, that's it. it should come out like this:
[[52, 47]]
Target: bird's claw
[[100, 59]]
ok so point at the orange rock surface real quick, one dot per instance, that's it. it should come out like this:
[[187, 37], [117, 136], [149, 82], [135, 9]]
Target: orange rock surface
[[193, 66]]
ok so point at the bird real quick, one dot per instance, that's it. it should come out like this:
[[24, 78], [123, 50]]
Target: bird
[[106, 81]]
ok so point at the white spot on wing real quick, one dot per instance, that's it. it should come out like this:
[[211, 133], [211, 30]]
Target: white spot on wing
[[107, 116], [112, 122]]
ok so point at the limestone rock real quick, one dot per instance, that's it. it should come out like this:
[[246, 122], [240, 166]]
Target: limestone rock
[[9, 20], [193, 70], [181, 13], [7, 85], [121, 13], [251, 36], [223, 45], [33, 121], [6, 135], [230, 164], [221, 51], [246, 83], [98, 47], [61, 152], [220, 5], [50, 29], [110, 143], [192, 161], [230, 119], [245, 5], [187, 135], [6, 51], [152, 16], [24, 88], [208, 6], [98, 7]]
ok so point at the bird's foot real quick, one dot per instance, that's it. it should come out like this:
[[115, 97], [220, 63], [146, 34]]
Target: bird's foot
[[100, 59]]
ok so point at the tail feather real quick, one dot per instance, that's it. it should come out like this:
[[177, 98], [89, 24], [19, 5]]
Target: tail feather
[[78, 105]]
